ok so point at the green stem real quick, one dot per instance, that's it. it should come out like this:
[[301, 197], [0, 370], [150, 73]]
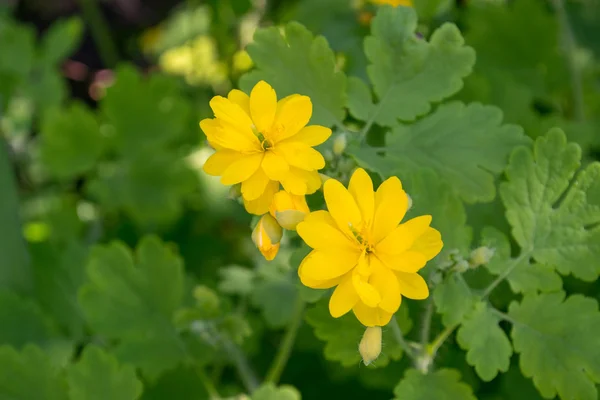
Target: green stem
[[283, 354], [242, 365], [208, 385], [100, 32], [440, 339], [570, 46], [505, 273], [400, 338]]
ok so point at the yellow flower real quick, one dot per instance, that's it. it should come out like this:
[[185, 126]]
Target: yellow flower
[[288, 209], [361, 248], [266, 236], [394, 3], [261, 142]]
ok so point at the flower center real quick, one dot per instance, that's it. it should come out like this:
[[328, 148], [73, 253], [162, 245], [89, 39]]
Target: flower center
[[264, 142], [362, 237]]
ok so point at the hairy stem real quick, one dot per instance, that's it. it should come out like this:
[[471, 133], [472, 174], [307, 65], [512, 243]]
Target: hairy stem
[[400, 338], [505, 273], [100, 32], [284, 351], [440, 339]]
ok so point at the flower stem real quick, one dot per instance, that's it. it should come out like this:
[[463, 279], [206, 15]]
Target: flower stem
[[208, 385], [284, 351], [505, 273], [400, 338], [100, 32], [440, 339], [242, 365]]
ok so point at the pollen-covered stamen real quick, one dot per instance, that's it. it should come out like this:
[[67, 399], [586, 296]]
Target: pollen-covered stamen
[[264, 142], [362, 238]]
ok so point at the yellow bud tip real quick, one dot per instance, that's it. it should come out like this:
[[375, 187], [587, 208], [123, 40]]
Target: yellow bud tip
[[370, 344], [288, 209], [266, 236], [339, 144]]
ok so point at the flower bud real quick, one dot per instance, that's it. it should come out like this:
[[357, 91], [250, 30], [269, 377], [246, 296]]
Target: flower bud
[[235, 191], [410, 203], [370, 344], [480, 256], [288, 209], [242, 61], [339, 144], [266, 236]]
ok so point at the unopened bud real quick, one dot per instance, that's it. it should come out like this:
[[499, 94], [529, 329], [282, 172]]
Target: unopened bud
[[288, 209], [266, 236], [480, 256], [370, 344], [410, 202], [461, 266], [235, 191], [339, 144]]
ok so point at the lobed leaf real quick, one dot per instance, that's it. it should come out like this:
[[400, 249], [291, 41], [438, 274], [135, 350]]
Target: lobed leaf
[[453, 299], [441, 384], [269, 391]]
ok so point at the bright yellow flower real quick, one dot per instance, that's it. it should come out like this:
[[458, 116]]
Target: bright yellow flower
[[288, 209], [395, 3], [262, 142], [361, 248], [266, 236]]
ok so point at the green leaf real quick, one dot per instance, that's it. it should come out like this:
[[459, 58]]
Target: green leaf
[[488, 348], [557, 225], [63, 37], [342, 335], [360, 99], [134, 301], [71, 142], [558, 344], [269, 391], [409, 73], [236, 280], [29, 375], [180, 383], [453, 299], [526, 277], [304, 65], [466, 145], [15, 271], [22, 321], [275, 283], [441, 384], [98, 376]]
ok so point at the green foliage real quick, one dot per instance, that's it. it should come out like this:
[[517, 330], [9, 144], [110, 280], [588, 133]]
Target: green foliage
[[453, 299], [343, 334], [149, 287], [270, 392], [97, 375], [560, 356], [306, 65], [489, 349], [443, 141], [556, 228], [22, 321], [408, 73], [442, 384]]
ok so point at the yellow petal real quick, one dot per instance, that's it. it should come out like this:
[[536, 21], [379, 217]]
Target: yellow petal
[[361, 188], [221, 137], [289, 219], [300, 203], [418, 225], [409, 261], [397, 242], [386, 284], [275, 166], [429, 244], [366, 292], [342, 206], [242, 169], [312, 135], [371, 316], [293, 113], [266, 236], [391, 204], [232, 115], [343, 298], [254, 187], [220, 161], [301, 156], [261, 205], [263, 105], [241, 99], [316, 284], [412, 286], [323, 265], [320, 234]]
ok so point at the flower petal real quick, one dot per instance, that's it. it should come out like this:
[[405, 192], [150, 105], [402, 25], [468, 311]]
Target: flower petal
[[293, 113], [386, 284], [231, 115], [275, 166], [343, 298], [321, 234], [301, 156], [391, 204], [397, 242], [219, 161], [221, 137], [242, 169], [316, 284], [254, 187], [321, 265], [366, 292], [361, 188], [312, 135], [429, 244], [261, 205], [241, 99], [300, 182], [342, 206], [412, 286], [263, 105], [371, 316], [409, 261]]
